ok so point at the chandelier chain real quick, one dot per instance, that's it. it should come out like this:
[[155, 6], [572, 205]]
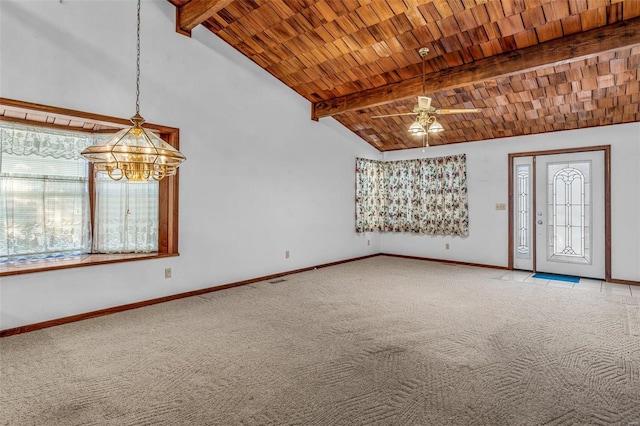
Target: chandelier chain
[[138, 63]]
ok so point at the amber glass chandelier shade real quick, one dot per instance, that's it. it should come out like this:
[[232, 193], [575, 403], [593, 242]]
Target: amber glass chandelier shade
[[135, 153]]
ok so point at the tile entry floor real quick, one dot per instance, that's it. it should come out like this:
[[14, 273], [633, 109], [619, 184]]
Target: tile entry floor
[[585, 284]]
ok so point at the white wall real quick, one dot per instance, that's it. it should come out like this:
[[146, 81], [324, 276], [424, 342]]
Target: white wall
[[260, 176], [487, 179]]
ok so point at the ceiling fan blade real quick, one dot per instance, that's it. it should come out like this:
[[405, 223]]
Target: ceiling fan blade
[[393, 115], [456, 110]]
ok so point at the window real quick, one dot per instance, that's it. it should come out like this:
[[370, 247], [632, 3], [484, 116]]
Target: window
[[523, 214], [426, 196], [52, 206], [44, 199], [569, 206]]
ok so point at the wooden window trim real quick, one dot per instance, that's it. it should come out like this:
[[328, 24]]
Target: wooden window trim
[[23, 112]]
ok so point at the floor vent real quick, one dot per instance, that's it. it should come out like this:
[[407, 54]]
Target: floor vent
[[279, 280]]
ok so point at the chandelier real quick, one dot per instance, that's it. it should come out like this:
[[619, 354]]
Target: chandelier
[[135, 153]]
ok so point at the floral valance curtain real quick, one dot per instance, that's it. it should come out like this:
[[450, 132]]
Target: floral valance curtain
[[426, 196]]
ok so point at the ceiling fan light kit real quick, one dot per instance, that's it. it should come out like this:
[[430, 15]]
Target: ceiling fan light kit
[[425, 121], [416, 129]]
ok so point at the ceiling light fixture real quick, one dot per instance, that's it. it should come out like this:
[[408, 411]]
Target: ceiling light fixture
[[427, 123], [416, 129], [135, 153]]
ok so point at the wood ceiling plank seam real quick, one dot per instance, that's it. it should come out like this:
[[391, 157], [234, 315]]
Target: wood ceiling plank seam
[[605, 81], [325, 11], [367, 37], [429, 13], [604, 67], [382, 50], [395, 46], [517, 86], [237, 30], [281, 8], [493, 30], [316, 38], [452, 59], [352, 44], [495, 10], [266, 15], [312, 17], [532, 18], [408, 41], [556, 10], [367, 15], [577, 6], [450, 44], [508, 43], [383, 11], [491, 48], [481, 14], [526, 38], [448, 26], [510, 25], [398, 6], [563, 88], [605, 57], [549, 31], [513, 7], [325, 35], [477, 35], [348, 25], [300, 24], [250, 26], [476, 52], [624, 78], [630, 9], [415, 18], [571, 24], [614, 13], [399, 24], [214, 24], [466, 21], [443, 8], [467, 55], [593, 18], [239, 9]]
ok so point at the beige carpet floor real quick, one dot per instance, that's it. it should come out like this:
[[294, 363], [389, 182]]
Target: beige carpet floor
[[382, 341]]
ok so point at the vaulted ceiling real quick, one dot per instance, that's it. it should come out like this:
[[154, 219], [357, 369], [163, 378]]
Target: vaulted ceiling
[[531, 66]]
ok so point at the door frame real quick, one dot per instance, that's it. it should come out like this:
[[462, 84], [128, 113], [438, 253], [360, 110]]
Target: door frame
[[607, 200]]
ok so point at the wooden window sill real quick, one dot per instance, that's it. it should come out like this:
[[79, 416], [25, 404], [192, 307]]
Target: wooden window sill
[[76, 262]]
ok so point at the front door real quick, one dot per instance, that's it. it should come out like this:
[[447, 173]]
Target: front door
[[559, 221]]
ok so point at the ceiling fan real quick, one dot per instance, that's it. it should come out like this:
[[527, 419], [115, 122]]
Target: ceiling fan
[[425, 113]]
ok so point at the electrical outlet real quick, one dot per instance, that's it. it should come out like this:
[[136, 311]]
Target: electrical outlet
[[446, 246], [368, 242], [286, 254], [501, 206], [167, 272]]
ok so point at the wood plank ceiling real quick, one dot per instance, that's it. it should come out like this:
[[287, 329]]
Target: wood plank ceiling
[[532, 66]]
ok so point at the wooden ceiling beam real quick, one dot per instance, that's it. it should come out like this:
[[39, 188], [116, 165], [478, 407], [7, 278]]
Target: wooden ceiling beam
[[579, 46], [192, 14]]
